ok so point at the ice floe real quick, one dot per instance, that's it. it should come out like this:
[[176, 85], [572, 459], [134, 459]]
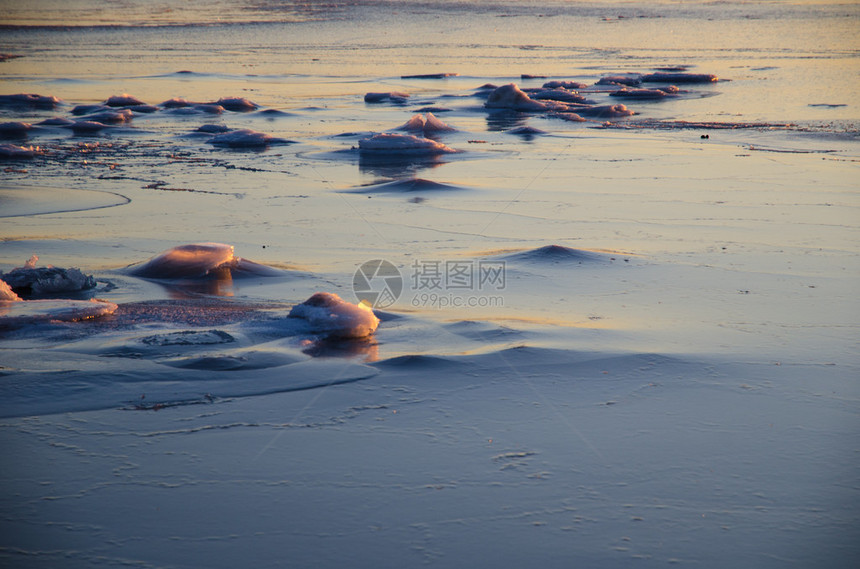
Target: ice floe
[[329, 314], [16, 314]]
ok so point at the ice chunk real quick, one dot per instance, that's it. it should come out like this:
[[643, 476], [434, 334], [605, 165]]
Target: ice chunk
[[557, 94], [433, 124], [329, 314], [89, 109], [13, 151], [143, 108], [124, 100], [111, 117], [430, 76], [213, 129], [570, 117], [417, 123], [512, 97], [391, 97], [186, 261], [680, 78], [245, 138], [14, 129], [199, 260], [6, 292], [177, 103], [239, 104], [56, 121], [605, 111], [402, 143], [629, 80], [82, 127], [564, 85], [32, 280], [428, 125], [29, 100], [642, 93], [209, 108]]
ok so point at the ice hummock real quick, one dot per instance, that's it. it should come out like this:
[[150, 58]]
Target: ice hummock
[[236, 104], [512, 97], [29, 100], [198, 260], [124, 100], [402, 143], [40, 281], [427, 125], [327, 313]]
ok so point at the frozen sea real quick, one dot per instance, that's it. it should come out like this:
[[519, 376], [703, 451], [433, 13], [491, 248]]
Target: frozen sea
[[611, 250]]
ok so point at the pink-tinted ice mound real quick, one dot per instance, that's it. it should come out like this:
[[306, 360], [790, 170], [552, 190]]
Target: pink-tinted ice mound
[[29, 100], [402, 143], [7, 294], [427, 125], [512, 97], [327, 313], [199, 260], [124, 100], [236, 104]]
